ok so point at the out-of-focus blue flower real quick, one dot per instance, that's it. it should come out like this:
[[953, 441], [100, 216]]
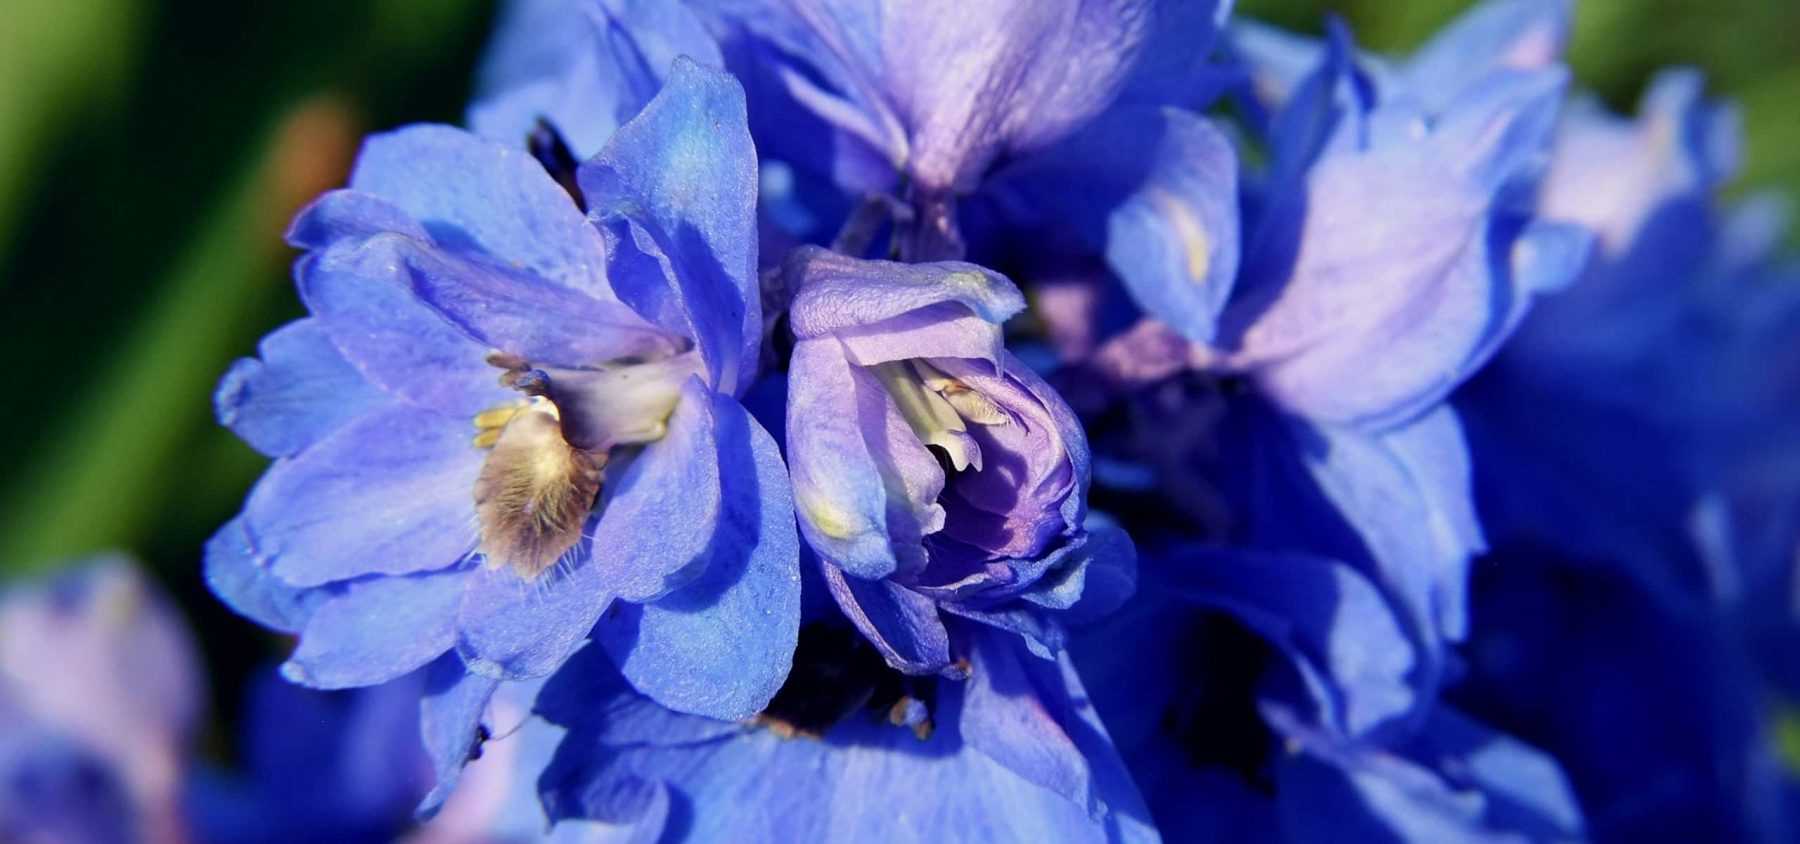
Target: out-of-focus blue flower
[[933, 472], [849, 750], [1721, 666], [317, 766], [348, 766], [504, 417], [1232, 732], [1642, 359], [1636, 459], [100, 696]]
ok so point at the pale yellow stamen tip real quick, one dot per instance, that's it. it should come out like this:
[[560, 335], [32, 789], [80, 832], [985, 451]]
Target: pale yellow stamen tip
[[1195, 245]]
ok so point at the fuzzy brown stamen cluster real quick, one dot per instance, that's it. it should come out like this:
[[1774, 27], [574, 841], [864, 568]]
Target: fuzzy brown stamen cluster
[[535, 491]]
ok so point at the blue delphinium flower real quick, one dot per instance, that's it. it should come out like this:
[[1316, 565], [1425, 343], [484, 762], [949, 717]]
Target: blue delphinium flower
[[100, 698], [940, 480], [1390, 248], [504, 417]]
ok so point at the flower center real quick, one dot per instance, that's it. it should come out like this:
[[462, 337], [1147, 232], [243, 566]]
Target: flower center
[[547, 452], [836, 674], [938, 408]]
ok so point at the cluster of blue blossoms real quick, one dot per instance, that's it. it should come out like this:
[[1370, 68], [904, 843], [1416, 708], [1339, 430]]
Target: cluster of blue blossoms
[[1029, 420]]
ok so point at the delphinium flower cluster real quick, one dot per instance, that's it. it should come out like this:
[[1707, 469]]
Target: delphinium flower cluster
[[1018, 420]]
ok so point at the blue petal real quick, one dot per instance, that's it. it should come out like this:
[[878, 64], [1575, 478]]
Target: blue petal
[[1333, 790], [1096, 580], [1155, 191], [587, 67], [360, 293], [685, 169], [1012, 715], [478, 196], [850, 512], [663, 513], [722, 645], [239, 577], [1331, 623], [377, 630], [346, 214], [1324, 341], [1407, 495], [449, 714], [388, 494], [741, 786], [1040, 632], [590, 697], [298, 391], [510, 629], [493, 306], [902, 624]]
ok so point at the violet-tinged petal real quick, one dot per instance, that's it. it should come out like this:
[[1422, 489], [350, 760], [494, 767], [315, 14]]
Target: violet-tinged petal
[[721, 645], [1335, 627], [945, 329], [1154, 191], [296, 392], [1382, 235], [1407, 494], [663, 513], [972, 84], [346, 214], [1495, 35], [1324, 342], [386, 494], [239, 576], [685, 169], [496, 307], [1032, 716], [482, 197], [851, 481], [377, 629], [1499, 132], [1039, 632], [1094, 579], [98, 653], [450, 714], [835, 292], [899, 622]]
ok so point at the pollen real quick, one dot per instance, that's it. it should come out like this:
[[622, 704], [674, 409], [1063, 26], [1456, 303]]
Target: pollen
[[489, 423], [535, 491]]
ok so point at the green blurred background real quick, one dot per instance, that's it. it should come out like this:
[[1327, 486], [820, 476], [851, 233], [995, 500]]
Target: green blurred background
[[150, 153]]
